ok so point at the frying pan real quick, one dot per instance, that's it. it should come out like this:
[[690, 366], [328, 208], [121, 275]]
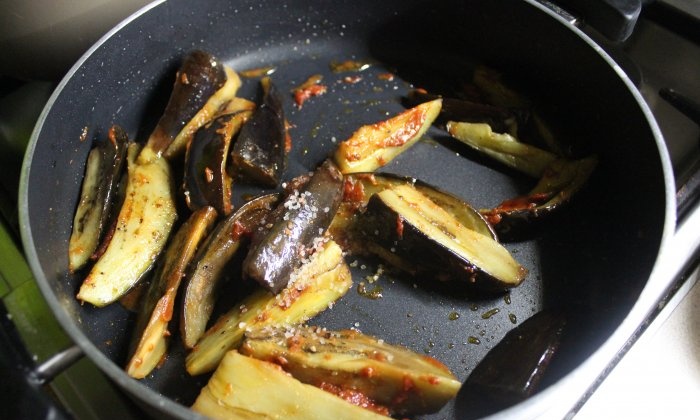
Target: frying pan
[[592, 262]]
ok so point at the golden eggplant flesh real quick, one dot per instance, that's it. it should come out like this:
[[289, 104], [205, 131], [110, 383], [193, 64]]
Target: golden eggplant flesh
[[97, 207], [373, 146], [405, 382], [294, 226], [206, 273], [247, 388], [314, 287], [145, 219], [149, 343], [407, 223]]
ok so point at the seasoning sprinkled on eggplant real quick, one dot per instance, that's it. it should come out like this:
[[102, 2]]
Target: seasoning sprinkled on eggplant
[[294, 226]]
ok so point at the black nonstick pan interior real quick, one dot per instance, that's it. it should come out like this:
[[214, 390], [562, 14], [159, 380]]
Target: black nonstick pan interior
[[591, 261]]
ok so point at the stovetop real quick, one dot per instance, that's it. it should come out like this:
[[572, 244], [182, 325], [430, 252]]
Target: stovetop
[[663, 53]]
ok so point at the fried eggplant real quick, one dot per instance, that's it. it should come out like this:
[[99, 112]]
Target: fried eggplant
[[314, 287], [203, 279], [203, 85], [512, 370], [403, 381], [404, 221], [259, 153], [143, 226], [373, 146], [294, 226], [246, 388], [206, 180], [151, 333], [96, 208]]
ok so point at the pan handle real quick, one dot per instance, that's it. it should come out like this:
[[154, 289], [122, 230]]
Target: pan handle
[[56, 364], [614, 19]]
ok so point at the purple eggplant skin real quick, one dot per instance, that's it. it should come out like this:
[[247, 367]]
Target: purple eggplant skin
[[198, 78], [104, 204], [512, 370], [203, 278], [280, 246], [259, 153], [206, 179]]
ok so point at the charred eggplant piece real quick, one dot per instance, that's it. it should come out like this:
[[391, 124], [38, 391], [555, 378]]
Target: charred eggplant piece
[[234, 391], [411, 226], [295, 224], [207, 182], [202, 86], [513, 369], [373, 146], [95, 211], [143, 226], [314, 287], [558, 185], [151, 332], [259, 153], [204, 277], [499, 118], [393, 376]]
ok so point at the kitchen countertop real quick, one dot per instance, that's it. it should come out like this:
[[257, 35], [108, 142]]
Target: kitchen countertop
[[660, 375]]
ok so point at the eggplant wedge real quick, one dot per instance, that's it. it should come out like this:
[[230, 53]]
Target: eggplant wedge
[[393, 376], [512, 370], [358, 188], [203, 85], [406, 222], [314, 287], [259, 153], [558, 185], [143, 226], [204, 277], [206, 180], [503, 147], [151, 332], [95, 211], [373, 146], [295, 225], [247, 388]]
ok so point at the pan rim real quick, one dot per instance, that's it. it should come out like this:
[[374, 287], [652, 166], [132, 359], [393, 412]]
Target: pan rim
[[576, 381]]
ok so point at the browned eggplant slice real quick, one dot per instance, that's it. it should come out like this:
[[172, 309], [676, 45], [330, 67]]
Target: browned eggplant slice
[[393, 376], [202, 86], [513, 369], [206, 180], [259, 153], [96, 208], [559, 184], [203, 278], [302, 217], [151, 332], [404, 221], [359, 187]]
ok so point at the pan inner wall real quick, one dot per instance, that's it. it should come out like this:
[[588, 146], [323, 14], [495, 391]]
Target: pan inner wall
[[592, 262]]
